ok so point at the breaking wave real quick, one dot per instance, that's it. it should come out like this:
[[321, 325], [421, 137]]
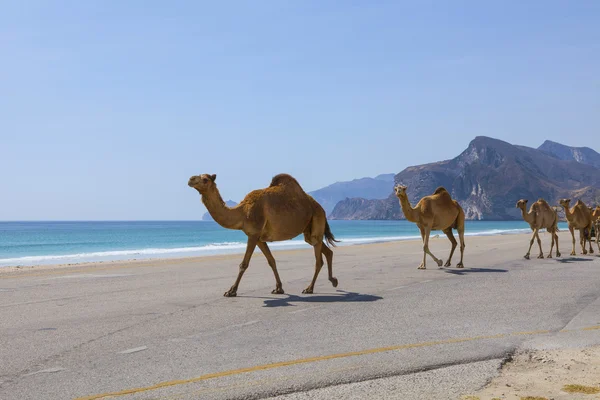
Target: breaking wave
[[210, 249]]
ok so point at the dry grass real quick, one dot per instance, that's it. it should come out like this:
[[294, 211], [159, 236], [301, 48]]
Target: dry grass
[[581, 389]]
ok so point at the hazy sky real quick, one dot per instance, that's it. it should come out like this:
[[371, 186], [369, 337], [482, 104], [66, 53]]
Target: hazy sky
[[108, 107]]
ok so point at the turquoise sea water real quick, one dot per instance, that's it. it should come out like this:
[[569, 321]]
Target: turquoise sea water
[[34, 243]]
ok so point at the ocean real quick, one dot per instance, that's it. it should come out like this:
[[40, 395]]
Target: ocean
[[37, 243]]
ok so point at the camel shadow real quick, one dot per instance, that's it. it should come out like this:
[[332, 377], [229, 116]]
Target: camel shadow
[[344, 297], [472, 270], [573, 259]]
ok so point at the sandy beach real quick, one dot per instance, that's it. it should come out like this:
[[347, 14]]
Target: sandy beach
[[562, 374], [438, 240]]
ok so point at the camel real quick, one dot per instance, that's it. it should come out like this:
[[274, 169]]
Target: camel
[[596, 219], [279, 212], [540, 216], [579, 217], [435, 212]]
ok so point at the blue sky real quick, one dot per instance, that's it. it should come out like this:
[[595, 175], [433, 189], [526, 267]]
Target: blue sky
[[108, 107]]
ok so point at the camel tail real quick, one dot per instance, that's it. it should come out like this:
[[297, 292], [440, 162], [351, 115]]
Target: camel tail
[[329, 238]]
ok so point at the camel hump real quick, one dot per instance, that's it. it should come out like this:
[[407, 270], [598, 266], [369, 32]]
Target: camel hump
[[543, 202], [440, 189], [284, 179]]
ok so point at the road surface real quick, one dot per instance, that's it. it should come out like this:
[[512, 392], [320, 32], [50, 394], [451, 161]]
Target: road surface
[[163, 330]]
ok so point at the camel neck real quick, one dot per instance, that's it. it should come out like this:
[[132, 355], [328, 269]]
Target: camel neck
[[526, 215], [409, 212], [568, 213], [230, 218]]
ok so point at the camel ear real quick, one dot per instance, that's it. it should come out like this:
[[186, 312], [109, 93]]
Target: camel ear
[[213, 177], [525, 201]]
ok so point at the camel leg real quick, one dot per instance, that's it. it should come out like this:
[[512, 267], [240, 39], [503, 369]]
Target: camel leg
[[252, 241], [551, 243], [329, 257], [423, 264], [598, 236], [531, 243], [461, 238], [539, 241], [573, 236], [318, 265], [556, 240], [589, 238], [448, 232], [582, 241], [271, 260], [426, 248]]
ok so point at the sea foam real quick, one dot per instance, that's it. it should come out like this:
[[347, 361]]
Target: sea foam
[[214, 248]]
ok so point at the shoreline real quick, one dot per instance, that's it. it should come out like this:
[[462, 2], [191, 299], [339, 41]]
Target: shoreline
[[18, 269], [126, 249], [162, 260]]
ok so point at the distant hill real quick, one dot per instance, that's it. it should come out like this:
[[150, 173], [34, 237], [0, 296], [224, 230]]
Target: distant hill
[[584, 155], [487, 179], [207, 216], [369, 188]]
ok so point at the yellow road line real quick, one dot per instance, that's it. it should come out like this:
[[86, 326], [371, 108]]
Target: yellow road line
[[285, 364], [315, 359], [591, 328], [531, 332]]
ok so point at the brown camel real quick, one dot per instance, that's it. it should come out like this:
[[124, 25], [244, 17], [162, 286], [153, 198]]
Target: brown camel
[[596, 219], [435, 212], [540, 216], [279, 212], [579, 217]]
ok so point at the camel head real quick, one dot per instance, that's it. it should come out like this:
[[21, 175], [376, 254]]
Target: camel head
[[400, 190], [564, 202], [202, 183], [521, 204]]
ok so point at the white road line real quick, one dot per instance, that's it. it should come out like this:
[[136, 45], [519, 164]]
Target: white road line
[[218, 331], [411, 284], [394, 288], [304, 309], [47, 371], [134, 350], [244, 324]]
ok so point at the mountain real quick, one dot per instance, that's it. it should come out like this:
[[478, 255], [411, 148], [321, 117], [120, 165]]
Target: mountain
[[487, 179], [368, 188], [207, 216], [584, 155]]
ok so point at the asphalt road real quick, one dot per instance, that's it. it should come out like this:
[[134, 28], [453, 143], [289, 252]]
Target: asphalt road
[[163, 330]]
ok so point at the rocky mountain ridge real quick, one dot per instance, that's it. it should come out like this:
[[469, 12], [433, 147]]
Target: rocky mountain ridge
[[368, 188], [487, 179], [583, 155]]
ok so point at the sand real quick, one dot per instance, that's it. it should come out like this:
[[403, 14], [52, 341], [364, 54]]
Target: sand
[[547, 374], [436, 242]]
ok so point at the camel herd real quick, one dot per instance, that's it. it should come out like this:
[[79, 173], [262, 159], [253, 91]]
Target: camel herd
[[284, 210], [580, 217]]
